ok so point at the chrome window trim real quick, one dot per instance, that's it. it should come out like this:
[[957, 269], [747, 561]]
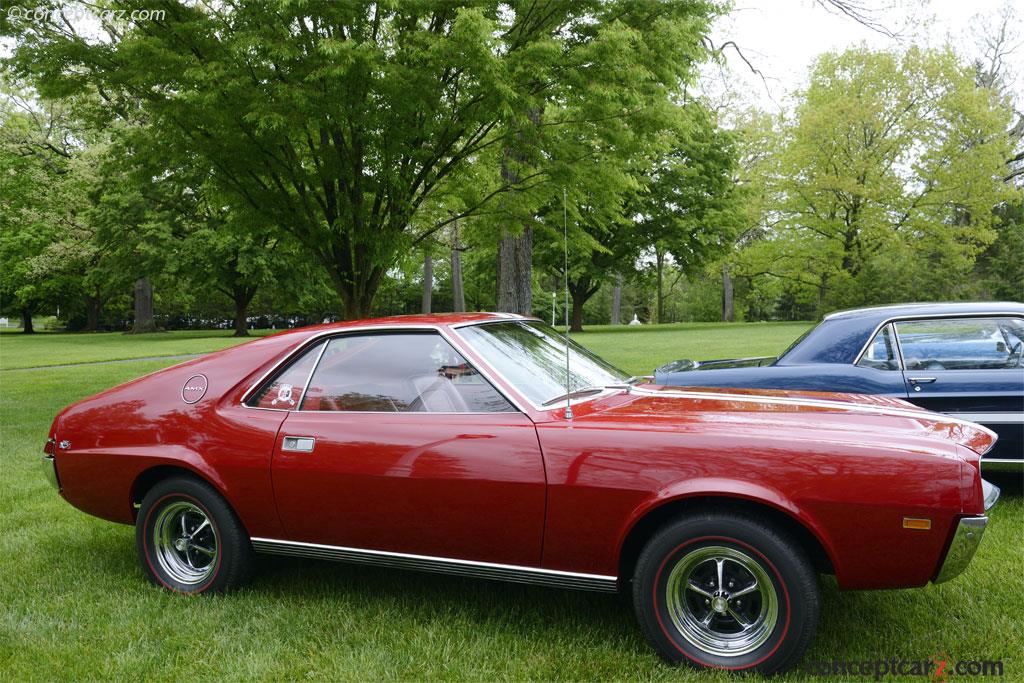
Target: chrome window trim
[[441, 565], [932, 316], [455, 343], [309, 377], [537, 407], [895, 348]]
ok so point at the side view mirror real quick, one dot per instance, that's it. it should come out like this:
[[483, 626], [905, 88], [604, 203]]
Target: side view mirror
[[1001, 347]]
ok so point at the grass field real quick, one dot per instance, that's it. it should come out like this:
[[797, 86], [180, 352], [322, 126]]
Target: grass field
[[75, 604]]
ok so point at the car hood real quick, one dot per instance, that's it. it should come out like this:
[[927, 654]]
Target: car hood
[[812, 415]]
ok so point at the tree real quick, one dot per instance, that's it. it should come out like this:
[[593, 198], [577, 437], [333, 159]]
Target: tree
[[599, 94], [40, 197], [688, 211], [335, 122], [886, 178]]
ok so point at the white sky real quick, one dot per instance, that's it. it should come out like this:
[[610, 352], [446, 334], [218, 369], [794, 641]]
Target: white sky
[[782, 37]]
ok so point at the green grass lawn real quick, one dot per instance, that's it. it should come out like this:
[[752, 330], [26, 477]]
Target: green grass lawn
[[75, 604], [48, 348]]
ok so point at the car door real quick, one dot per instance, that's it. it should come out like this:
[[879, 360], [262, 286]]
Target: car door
[[398, 444], [970, 368]]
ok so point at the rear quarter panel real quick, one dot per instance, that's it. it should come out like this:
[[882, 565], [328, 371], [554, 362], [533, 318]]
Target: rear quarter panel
[[121, 433]]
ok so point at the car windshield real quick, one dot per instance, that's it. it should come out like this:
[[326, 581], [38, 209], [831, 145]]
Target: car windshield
[[531, 356]]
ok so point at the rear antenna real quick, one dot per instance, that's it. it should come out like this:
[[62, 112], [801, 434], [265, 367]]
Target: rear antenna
[[565, 244]]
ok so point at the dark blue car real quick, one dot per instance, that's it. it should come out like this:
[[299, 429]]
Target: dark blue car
[[964, 359]]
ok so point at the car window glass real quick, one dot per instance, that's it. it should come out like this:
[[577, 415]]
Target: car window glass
[[284, 390], [955, 344], [531, 357], [1013, 330], [399, 372], [881, 352]]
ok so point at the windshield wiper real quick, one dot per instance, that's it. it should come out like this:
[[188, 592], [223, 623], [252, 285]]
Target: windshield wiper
[[589, 391]]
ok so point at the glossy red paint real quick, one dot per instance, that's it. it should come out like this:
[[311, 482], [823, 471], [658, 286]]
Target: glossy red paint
[[531, 488]]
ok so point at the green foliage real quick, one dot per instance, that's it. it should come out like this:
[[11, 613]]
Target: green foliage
[[884, 182], [337, 122]]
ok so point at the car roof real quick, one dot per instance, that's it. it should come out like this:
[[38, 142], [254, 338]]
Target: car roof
[[841, 336], [417, 320], [925, 308]]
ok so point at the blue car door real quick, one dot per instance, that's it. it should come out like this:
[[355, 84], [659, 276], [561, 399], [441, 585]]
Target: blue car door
[[970, 368]]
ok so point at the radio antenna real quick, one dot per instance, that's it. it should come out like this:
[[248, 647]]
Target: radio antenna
[[565, 244]]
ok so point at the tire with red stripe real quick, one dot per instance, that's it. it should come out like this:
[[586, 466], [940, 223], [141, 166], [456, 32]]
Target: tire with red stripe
[[189, 539], [723, 590]]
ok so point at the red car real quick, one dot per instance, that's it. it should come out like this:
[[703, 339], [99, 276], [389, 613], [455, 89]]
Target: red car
[[466, 444]]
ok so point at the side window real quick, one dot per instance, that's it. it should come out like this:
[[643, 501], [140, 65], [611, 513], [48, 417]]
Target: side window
[[284, 390], [1013, 330], [399, 372], [881, 352], [955, 344]]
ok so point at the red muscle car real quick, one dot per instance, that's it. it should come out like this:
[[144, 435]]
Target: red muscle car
[[466, 444]]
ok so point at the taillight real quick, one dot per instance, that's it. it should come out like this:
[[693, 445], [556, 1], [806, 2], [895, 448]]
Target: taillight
[[50, 447]]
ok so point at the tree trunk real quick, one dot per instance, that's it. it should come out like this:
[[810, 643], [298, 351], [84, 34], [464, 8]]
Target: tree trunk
[[660, 259], [515, 252], [576, 324], [515, 273], [458, 292], [617, 301], [356, 296], [144, 321], [26, 321], [727, 302], [93, 311], [243, 297], [428, 280]]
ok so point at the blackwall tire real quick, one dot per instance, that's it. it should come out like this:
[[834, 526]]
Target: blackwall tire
[[725, 591], [189, 540]]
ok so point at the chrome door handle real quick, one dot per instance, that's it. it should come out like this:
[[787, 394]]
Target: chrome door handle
[[301, 444], [921, 380]]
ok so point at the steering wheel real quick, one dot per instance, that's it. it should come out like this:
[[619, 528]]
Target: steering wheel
[[1015, 350]]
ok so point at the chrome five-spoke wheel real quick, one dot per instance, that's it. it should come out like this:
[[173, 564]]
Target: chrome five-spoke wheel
[[189, 539], [725, 590], [722, 601], [185, 543]]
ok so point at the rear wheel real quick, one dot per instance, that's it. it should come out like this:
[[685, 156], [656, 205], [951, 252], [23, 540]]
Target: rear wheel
[[189, 539], [724, 591]]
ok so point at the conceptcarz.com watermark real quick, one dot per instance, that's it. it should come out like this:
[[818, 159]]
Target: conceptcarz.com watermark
[[38, 15], [936, 669]]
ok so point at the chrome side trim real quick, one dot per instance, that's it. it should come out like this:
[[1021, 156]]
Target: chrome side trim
[[962, 548], [440, 565], [1001, 465], [1007, 418]]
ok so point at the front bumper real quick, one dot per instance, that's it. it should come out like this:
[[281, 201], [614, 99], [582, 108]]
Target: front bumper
[[966, 538]]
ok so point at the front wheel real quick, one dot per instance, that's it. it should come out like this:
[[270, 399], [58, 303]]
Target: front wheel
[[189, 539], [724, 591]]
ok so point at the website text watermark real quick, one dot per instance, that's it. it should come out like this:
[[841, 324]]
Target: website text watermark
[[38, 15]]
